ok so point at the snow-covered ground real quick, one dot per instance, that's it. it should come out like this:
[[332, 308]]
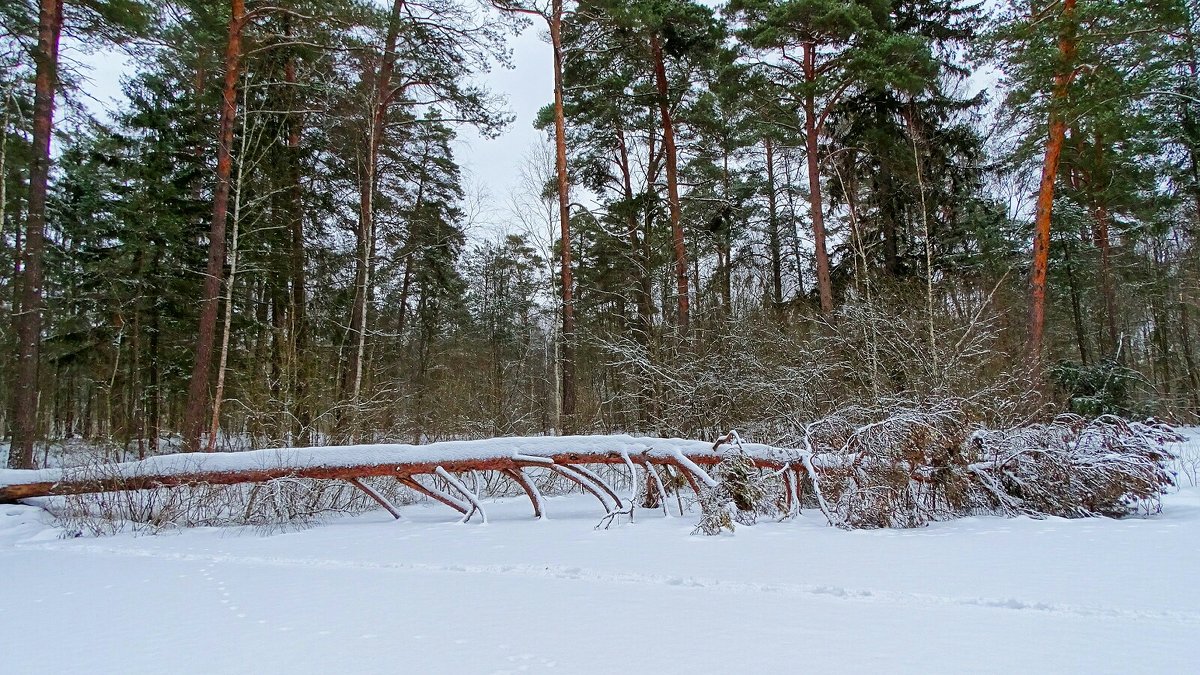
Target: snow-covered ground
[[430, 595]]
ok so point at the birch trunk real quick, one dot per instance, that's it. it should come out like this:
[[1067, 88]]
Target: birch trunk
[[215, 424]]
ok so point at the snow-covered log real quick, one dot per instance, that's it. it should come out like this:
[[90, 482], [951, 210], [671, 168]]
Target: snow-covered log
[[360, 461], [861, 468]]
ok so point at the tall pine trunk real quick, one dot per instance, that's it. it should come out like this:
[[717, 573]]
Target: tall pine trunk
[[672, 167], [365, 236], [564, 215], [1054, 143], [29, 319], [197, 400]]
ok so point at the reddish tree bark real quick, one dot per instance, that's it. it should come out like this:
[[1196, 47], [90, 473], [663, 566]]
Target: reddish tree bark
[[571, 461], [553, 19], [29, 319], [564, 215], [1045, 202], [672, 166], [530, 489], [198, 395]]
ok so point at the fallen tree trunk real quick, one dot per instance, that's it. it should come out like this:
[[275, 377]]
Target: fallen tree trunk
[[861, 468], [350, 463]]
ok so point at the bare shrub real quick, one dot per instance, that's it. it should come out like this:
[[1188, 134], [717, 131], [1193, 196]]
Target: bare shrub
[[281, 503], [1072, 467], [887, 468], [1187, 460], [909, 466], [769, 378]]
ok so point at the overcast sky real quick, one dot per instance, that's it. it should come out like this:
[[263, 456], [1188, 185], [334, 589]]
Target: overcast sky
[[495, 164], [491, 165]]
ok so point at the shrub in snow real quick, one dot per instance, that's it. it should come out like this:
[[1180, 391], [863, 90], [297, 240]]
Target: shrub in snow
[[741, 494], [890, 468], [910, 466], [861, 467], [733, 494], [286, 502], [1072, 467]]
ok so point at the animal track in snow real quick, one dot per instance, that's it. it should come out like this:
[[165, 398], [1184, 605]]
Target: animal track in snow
[[575, 573]]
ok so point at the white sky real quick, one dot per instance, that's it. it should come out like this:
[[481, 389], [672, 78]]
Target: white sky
[[495, 164], [491, 166]]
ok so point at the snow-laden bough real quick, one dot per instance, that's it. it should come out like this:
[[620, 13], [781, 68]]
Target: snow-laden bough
[[900, 468]]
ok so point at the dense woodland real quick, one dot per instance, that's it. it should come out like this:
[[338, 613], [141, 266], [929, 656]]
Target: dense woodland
[[745, 214]]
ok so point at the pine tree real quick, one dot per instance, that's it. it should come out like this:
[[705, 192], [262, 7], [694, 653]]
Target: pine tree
[[1083, 66], [824, 50], [117, 18], [679, 33], [553, 12]]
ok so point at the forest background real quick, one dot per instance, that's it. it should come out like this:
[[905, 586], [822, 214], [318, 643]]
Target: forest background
[[747, 214]]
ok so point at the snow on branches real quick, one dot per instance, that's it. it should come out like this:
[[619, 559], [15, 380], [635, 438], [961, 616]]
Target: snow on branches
[[740, 491], [1072, 467], [911, 466], [860, 467]]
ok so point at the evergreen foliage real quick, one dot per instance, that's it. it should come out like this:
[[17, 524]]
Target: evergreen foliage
[[845, 213]]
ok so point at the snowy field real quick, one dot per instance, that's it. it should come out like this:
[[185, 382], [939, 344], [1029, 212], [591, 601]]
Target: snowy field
[[430, 595]]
